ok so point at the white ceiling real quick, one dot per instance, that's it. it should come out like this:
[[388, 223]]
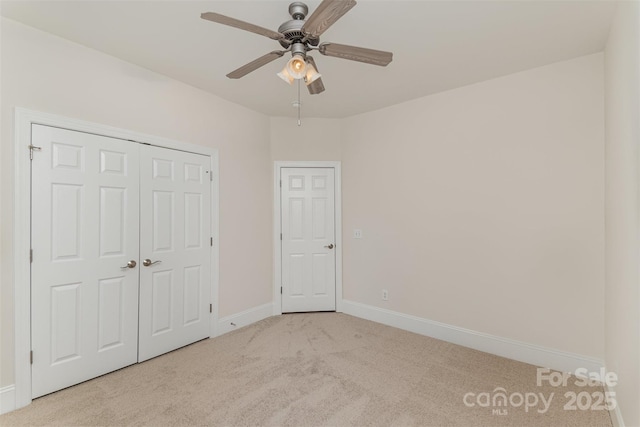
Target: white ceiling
[[437, 45]]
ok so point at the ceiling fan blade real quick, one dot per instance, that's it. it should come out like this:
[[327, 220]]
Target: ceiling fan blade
[[325, 15], [255, 64], [353, 53], [232, 22], [316, 86]]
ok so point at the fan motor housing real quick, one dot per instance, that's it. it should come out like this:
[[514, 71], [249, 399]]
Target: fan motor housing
[[292, 29], [292, 32]]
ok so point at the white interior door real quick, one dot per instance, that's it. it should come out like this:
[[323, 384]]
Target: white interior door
[[308, 239], [175, 233], [84, 230]]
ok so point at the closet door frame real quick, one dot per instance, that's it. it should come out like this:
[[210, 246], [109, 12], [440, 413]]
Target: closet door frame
[[23, 121]]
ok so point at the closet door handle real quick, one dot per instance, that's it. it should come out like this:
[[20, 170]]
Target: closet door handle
[[147, 262], [130, 264]]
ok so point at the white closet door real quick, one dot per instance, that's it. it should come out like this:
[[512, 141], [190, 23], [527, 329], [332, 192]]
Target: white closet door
[[308, 240], [84, 230], [175, 218]]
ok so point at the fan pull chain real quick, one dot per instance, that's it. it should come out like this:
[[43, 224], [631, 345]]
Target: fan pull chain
[[299, 122]]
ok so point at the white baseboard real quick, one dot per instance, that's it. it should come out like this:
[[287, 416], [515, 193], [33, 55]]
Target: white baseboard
[[244, 318], [7, 399], [521, 351]]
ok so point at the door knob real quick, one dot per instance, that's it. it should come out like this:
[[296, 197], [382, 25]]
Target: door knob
[[130, 264], [330, 246], [147, 262]]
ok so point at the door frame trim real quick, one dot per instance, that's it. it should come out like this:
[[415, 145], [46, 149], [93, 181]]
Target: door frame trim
[[23, 119], [277, 243]]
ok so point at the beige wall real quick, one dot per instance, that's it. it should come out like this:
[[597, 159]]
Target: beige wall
[[482, 207], [315, 139], [622, 83], [46, 73]]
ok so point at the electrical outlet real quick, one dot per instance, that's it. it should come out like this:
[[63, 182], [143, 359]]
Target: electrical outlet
[[385, 295], [357, 233]]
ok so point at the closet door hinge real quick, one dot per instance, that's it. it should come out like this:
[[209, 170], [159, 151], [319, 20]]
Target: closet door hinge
[[280, 183], [280, 236], [211, 240], [211, 176], [30, 255], [31, 357], [33, 148], [280, 290], [210, 308]]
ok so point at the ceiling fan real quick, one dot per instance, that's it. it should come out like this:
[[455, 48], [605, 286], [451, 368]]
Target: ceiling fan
[[299, 36]]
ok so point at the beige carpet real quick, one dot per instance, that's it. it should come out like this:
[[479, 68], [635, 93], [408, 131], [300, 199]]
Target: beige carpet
[[317, 369]]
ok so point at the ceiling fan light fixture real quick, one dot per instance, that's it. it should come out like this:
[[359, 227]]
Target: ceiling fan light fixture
[[296, 66], [311, 74], [285, 76]]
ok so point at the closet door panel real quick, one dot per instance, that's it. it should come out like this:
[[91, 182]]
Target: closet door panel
[[85, 222], [175, 281]]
